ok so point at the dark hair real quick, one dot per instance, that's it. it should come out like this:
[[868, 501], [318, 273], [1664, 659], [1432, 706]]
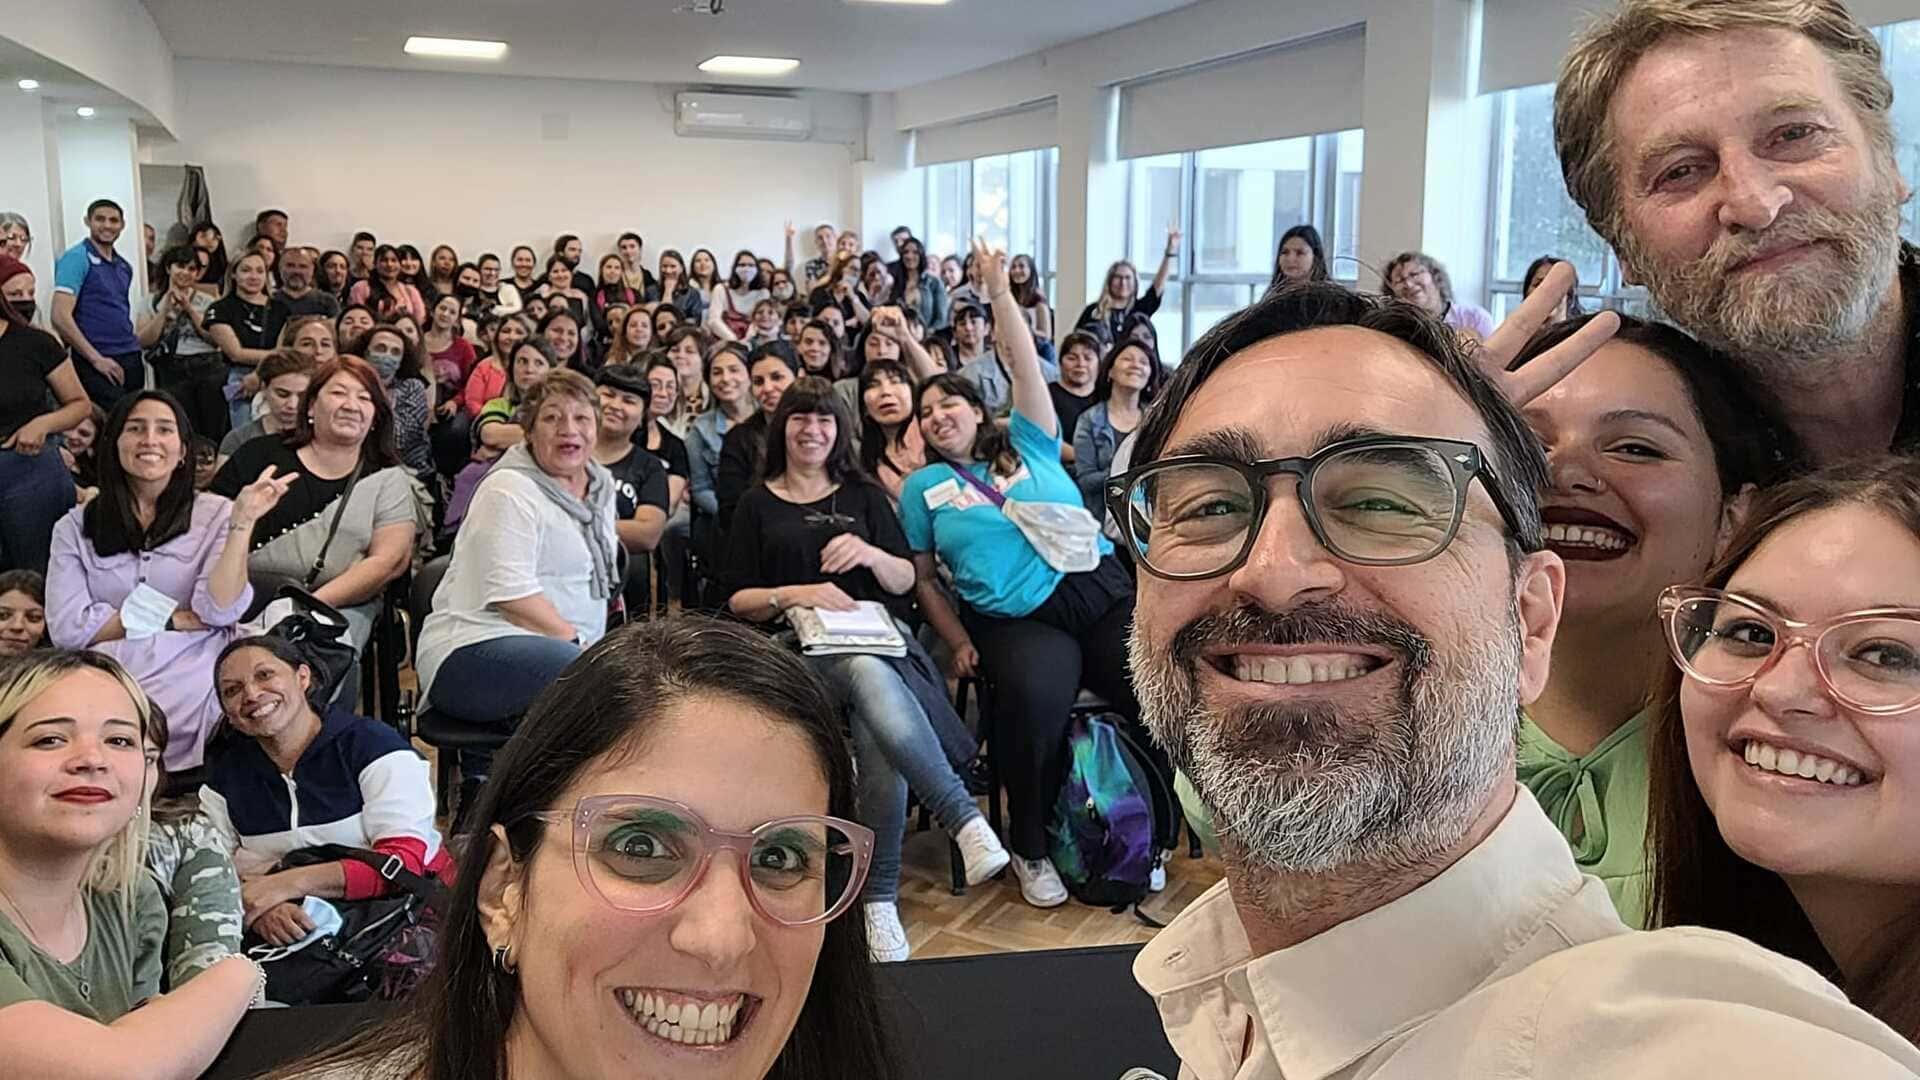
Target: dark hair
[[412, 357], [560, 242], [898, 229], [735, 349], [422, 279], [280, 649], [105, 204], [1311, 236], [1696, 879], [363, 236], [109, 521], [378, 292], [837, 364], [633, 236], [812, 396], [1574, 308], [261, 217], [777, 350], [991, 443], [179, 255], [733, 273], [281, 362], [874, 437], [1092, 342], [1749, 446], [376, 447], [27, 581], [1518, 464], [603, 705], [565, 311], [714, 278], [1026, 295], [1156, 372]]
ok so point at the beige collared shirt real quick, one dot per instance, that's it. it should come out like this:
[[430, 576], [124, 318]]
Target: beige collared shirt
[[1510, 965]]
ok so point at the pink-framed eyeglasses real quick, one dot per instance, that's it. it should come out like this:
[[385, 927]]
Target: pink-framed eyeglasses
[[645, 855], [1868, 660]]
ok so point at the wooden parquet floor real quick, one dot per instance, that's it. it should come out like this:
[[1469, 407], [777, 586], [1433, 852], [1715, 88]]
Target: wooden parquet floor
[[992, 917]]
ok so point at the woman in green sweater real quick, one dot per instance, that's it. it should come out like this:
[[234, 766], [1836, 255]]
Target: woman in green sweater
[[1654, 449]]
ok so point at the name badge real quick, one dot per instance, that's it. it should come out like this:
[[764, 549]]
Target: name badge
[[942, 493]]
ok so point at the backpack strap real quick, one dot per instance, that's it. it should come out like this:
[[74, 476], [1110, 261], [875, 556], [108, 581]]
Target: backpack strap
[[389, 867]]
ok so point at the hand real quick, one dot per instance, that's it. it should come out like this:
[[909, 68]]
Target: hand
[[846, 552], [185, 621], [66, 458], [264, 893], [282, 924], [446, 408], [115, 374], [1556, 363], [1173, 240], [992, 265], [966, 661], [888, 322], [249, 384], [826, 596], [790, 229], [28, 439], [260, 497]]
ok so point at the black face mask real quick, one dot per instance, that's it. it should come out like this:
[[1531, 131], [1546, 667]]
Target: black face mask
[[466, 292], [26, 308]]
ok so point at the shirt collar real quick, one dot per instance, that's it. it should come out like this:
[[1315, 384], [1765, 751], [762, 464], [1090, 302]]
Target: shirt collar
[[1321, 1004]]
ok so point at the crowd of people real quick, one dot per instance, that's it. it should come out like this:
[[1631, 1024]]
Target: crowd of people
[[1472, 647]]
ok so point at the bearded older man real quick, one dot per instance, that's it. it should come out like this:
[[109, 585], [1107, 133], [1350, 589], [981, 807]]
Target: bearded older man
[[1344, 602], [1738, 155]]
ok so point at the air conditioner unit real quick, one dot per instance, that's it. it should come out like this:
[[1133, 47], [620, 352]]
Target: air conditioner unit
[[721, 115]]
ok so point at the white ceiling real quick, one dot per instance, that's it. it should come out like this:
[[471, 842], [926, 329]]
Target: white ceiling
[[859, 47]]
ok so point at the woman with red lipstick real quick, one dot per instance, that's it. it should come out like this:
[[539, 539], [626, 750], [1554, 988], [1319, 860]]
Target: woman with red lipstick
[[1653, 448], [81, 923], [1782, 807]]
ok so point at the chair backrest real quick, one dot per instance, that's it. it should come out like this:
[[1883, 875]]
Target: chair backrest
[[426, 581]]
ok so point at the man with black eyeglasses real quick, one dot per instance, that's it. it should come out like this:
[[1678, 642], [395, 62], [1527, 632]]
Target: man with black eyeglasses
[[1344, 601]]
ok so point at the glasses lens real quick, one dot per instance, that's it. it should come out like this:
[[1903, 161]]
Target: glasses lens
[[802, 868], [1190, 518], [1386, 503], [1722, 639], [1874, 662], [643, 857]]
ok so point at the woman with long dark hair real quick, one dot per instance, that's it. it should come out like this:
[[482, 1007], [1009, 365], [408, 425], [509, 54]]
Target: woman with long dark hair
[[387, 293], [1300, 257], [919, 288], [154, 574], [207, 238], [1779, 794], [730, 308], [612, 290], [1570, 308], [679, 291], [1130, 375], [890, 444], [656, 732], [1024, 279]]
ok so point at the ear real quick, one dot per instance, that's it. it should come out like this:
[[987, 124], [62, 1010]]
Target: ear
[[502, 892], [304, 676], [1732, 514], [1538, 595]]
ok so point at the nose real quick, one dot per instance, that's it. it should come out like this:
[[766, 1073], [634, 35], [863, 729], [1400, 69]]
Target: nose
[[86, 756], [1572, 472], [716, 924], [1754, 195], [1792, 687], [1288, 565]]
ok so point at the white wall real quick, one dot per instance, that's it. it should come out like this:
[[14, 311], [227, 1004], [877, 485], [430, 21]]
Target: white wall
[[29, 182], [112, 42], [96, 161], [487, 162]]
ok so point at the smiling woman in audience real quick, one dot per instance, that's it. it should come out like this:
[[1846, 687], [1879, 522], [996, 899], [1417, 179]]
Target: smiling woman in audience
[[1121, 298], [1653, 447], [1418, 279], [488, 379], [726, 375], [817, 533], [154, 574], [498, 427], [81, 924], [560, 292], [560, 959], [441, 267], [1782, 777], [561, 331], [35, 486], [919, 288], [312, 336], [1130, 374], [355, 319], [686, 348], [340, 448], [23, 612], [387, 293]]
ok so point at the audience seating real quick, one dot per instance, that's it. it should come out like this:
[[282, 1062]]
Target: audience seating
[[446, 735]]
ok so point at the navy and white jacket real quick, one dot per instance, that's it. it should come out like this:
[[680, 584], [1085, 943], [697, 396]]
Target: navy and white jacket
[[360, 784]]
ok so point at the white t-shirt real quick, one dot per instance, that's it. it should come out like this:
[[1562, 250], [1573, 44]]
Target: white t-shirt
[[513, 544]]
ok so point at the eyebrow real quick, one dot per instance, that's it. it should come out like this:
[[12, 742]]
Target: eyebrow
[[1791, 103], [68, 721], [1241, 444], [1645, 416]]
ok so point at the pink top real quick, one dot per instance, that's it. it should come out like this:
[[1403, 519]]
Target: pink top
[[485, 383], [410, 302]]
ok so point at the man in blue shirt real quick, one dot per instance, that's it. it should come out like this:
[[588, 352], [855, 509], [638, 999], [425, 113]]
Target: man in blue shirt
[[91, 310]]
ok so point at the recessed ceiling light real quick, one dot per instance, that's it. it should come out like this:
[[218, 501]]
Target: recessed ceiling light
[[456, 48], [748, 65], [29, 84], [84, 111]]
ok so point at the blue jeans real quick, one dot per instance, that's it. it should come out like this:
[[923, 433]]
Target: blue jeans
[[896, 749], [239, 403], [35, 490], [103, 390], [493, 683]]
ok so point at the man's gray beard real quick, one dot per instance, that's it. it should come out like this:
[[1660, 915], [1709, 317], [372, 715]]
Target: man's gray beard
[[1305, 791], [1786, 326]]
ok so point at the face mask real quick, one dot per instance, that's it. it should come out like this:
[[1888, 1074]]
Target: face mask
[[466, 292], [386, 364], [26, 308], [783, 292]]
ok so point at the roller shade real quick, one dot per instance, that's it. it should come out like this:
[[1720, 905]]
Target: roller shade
[[1029, 127], [1301, 88]]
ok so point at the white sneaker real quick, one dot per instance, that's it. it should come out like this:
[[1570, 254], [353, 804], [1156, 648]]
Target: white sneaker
[[1157, 877], [1040, 882], [981, 850], [886, 938]]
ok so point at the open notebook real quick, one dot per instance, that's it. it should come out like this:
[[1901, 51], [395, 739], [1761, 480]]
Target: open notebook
[[868, 628]]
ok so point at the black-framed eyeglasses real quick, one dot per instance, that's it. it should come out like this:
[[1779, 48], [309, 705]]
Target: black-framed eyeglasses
[[1382, 500]]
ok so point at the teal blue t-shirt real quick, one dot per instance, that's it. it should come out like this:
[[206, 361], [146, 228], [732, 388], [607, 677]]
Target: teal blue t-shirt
[[994, 568]]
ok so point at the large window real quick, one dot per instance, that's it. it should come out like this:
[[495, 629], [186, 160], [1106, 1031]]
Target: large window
[[1010, 199], [1234, 203], [1533, 215]]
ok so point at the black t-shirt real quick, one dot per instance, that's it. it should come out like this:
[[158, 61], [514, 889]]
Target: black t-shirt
[[821, 299], [1068, 406], [741, 451], [316, 302], [775, 543], [672, 452], [639, 479], [1145, 304], [302, 502], [256, 325], [27, 358]]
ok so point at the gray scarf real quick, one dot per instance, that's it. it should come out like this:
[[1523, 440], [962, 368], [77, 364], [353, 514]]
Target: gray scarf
[[594, 516]]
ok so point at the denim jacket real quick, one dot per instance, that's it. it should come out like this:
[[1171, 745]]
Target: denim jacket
[[1094, 442], [704, 436]]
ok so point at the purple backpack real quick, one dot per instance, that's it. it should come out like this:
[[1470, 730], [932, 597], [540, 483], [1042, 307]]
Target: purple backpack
[[1110, 809]]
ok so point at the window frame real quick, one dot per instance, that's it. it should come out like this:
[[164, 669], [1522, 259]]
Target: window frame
[[1046, 166]]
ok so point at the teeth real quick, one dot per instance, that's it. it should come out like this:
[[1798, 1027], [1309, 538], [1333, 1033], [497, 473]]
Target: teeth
[[1794, 763], [1295, 670], [691, 1023], [1581, 536]]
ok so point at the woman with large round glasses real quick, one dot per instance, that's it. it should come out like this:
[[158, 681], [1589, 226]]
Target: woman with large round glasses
[[1785, 769], [654, 888]]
